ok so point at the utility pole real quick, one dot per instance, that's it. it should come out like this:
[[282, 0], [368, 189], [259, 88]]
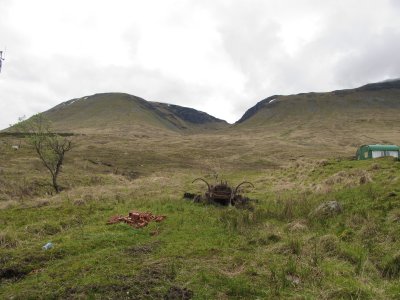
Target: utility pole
[[1, 59]]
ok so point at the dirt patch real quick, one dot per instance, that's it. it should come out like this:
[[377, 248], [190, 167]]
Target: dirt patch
[[142, 249], [148, 283], [129, 175], [13, 273], [177, 293], [157, 272]]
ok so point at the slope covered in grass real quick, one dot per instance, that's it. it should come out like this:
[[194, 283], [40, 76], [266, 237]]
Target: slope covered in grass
[[278, 248], [344, 118], [297, 150], [126, 114]]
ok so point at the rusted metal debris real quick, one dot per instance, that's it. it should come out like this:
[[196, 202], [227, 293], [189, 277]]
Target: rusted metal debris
[[222, 193], [136, 219]]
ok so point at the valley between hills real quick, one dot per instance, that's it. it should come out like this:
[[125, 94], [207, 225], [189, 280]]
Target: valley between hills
[[132, 154]]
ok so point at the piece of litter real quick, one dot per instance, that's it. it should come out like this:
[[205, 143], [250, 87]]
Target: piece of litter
[[136, 219], [48, 246]]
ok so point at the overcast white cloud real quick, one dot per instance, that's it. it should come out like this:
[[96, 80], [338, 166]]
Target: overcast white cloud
[[218, 56]]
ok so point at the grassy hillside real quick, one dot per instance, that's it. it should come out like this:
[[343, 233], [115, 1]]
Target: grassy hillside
[[287, 244], [126, 114], [345, 118], [280, 248]]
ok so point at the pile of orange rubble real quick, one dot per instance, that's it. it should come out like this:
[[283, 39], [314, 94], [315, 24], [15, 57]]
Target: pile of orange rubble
[[136, 219]]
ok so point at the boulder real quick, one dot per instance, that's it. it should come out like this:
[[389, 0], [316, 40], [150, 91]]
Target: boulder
[[328, 209]]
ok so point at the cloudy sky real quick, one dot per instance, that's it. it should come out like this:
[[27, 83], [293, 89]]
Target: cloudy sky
[[218, 56]]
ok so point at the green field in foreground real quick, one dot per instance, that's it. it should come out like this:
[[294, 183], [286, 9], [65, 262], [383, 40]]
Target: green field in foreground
[[280, 247]]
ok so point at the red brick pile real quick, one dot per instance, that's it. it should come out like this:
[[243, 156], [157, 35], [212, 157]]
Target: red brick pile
[[136, 219]]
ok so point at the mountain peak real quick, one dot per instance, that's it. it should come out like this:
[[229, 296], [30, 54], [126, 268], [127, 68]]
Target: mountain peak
[[121, 112], [363, 102]]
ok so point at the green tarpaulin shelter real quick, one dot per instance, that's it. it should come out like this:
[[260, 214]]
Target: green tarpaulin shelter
[[375, 151]]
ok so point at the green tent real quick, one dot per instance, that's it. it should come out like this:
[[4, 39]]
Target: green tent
[[375, 151]]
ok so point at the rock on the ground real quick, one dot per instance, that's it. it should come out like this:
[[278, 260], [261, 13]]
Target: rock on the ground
[[328, 209], [296, 226]]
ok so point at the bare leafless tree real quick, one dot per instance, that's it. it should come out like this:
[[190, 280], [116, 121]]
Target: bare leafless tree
[[49, 146]]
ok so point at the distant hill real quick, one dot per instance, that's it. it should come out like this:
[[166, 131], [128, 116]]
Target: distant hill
[[124, 113], [341, 119], [367, 114], [278, 107]]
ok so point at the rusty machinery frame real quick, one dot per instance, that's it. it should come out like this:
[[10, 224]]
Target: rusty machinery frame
[[222, 193]]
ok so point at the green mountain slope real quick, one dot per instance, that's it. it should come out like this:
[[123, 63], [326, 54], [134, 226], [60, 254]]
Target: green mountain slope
[[367, 114], [124, 113]]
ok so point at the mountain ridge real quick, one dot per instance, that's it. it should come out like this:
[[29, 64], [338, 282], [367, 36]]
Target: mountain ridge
[[124, 112], [370, 87]]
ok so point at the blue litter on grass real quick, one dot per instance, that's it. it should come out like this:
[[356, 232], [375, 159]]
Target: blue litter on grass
[[48, 246]]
